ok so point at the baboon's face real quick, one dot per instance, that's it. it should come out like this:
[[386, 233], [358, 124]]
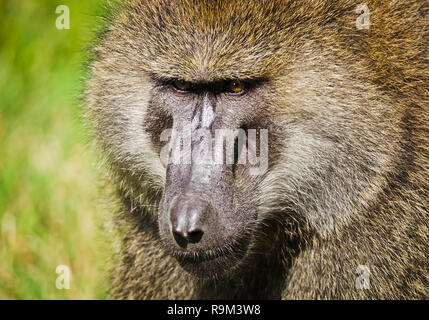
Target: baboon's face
[[169, 78], [215, 157]]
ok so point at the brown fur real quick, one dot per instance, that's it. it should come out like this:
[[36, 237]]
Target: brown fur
[[362, 93]]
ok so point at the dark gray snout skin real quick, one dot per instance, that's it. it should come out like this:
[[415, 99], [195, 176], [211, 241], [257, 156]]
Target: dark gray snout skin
[[198, 204]]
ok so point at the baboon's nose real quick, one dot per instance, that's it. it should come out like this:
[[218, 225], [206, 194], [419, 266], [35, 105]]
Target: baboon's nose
[[188, 216]]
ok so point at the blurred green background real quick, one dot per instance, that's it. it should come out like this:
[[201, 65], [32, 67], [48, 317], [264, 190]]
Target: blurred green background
[[50, 212]]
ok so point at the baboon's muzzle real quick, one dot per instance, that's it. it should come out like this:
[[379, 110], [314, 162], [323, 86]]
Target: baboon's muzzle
[[197, 221]]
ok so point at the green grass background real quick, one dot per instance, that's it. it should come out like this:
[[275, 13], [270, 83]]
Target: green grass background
[[50, 214]]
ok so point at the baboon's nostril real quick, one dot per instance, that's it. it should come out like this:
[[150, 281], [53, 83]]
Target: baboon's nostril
[[183, 238], [180, 238], [195, 236]]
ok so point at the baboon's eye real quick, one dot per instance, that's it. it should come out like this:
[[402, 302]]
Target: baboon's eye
[[182, 85], [235, 86]]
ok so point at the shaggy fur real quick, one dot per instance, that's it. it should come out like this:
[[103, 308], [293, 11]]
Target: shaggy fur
[[348, 180]]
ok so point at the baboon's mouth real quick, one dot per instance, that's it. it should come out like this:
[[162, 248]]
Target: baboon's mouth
[[210, 264], [201, 257]]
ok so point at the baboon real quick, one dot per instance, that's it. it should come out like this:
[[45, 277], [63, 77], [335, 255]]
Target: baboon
[[341, 211]]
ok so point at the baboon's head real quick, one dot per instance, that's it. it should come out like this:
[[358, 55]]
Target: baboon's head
[[223, 114]]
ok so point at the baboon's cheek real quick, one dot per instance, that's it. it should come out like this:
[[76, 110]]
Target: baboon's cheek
[[157, 122]]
